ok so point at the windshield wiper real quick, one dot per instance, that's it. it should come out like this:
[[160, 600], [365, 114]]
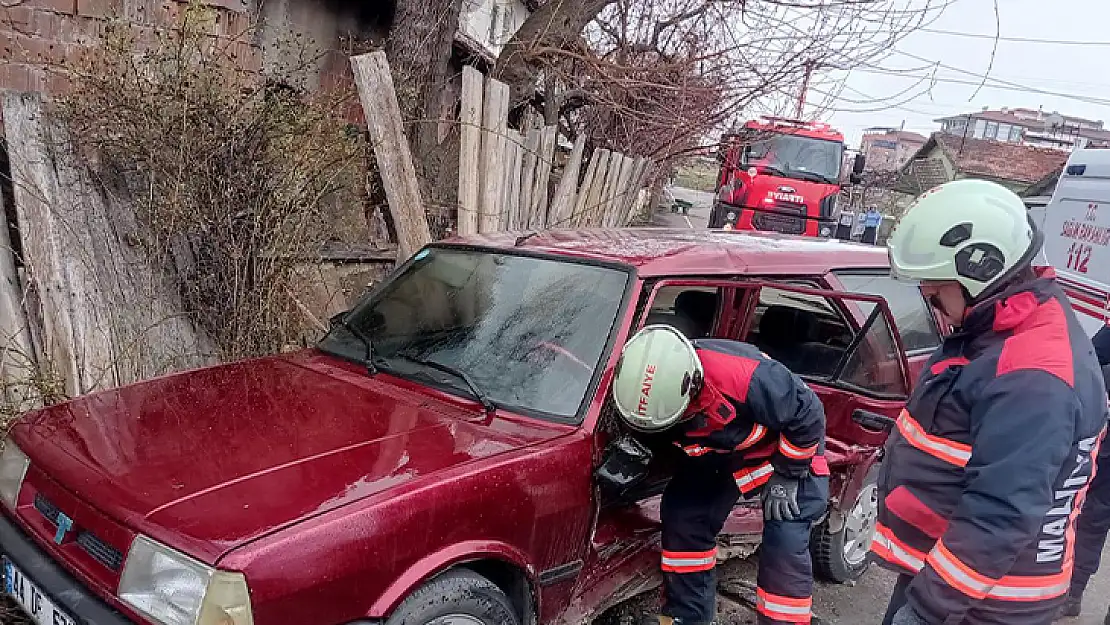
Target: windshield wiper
[[483, 399], [774, 171], [371, 368], [812, 176]]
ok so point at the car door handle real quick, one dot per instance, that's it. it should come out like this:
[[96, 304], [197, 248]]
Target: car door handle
[[872, 420]]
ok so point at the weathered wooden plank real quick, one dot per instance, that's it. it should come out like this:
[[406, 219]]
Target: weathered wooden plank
[[621, 191], [578, 215], [514, 152], [592, 205], [540, 190], [79, 269], [562, 206], [470, 151], [605, 205], [391, 151], [636, 183], [528, 173], [17, 356], [495, 117]]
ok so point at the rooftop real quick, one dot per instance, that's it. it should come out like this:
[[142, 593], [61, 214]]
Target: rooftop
[[696, 252], [901, 135], [996, 159]]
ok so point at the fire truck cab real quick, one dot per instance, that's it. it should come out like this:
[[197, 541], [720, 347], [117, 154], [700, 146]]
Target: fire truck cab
[[780, 175]]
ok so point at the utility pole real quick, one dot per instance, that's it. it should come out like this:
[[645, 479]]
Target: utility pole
[[805, 87]]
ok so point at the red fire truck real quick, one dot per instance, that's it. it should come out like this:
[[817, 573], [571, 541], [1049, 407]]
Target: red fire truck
[[780, 175]]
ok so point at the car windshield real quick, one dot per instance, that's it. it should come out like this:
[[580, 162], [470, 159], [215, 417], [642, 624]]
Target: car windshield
[[528, 332], [793, 156]]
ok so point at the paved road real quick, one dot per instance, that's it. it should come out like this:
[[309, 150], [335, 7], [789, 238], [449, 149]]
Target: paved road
[[698, 216]]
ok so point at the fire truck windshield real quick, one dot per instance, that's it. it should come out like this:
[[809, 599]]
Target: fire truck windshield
[[794, 156]]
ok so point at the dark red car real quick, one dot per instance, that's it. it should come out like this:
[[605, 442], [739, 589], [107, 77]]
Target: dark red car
[[445, 455]]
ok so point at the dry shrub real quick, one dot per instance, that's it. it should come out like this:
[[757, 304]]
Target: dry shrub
[[235, 175]]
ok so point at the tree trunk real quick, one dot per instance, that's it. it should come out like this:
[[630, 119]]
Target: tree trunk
[[556, 24], [420, 51]]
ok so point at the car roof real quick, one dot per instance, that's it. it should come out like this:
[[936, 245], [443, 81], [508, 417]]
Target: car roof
[[656, 252]]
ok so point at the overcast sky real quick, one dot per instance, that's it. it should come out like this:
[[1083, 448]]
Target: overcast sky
[[1078, 71]]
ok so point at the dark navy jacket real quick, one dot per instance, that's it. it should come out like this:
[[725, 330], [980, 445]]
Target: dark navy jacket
[[984, 477], [754, 406]]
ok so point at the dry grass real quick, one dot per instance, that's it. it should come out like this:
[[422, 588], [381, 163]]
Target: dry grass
[[697, 175], [234, 176]]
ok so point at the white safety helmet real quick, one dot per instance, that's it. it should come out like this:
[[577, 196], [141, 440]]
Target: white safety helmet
[[657, 376], [975, 232]]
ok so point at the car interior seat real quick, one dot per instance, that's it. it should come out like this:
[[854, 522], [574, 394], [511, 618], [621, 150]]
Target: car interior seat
[[789, 336], [693, 315]]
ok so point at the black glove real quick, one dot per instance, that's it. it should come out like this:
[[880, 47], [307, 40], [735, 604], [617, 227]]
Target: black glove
[[780, 499], [908, 616]]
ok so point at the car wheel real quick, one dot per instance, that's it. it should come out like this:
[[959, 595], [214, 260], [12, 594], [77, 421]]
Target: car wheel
[[458, 597], [841, 556]]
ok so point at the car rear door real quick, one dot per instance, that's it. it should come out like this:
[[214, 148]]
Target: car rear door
[[862, 376], [914, 318]]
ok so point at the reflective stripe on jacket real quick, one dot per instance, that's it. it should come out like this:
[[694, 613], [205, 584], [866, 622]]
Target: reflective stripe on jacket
[[986, 472]]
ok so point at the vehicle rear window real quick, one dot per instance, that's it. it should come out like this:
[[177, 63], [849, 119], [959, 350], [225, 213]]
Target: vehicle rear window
[[911, 314], [529, 332]]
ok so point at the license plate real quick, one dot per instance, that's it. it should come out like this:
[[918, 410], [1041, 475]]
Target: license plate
[[31, 599]]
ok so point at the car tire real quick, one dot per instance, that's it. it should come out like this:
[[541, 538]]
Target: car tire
[[457, 597], [841, 556]]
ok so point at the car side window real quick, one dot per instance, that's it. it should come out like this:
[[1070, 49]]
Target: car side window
[[690, 309], [806, 333], [912, 314]]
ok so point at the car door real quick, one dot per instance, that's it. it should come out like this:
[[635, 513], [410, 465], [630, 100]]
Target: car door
[[860, 372], [914, 317], [852, 366]]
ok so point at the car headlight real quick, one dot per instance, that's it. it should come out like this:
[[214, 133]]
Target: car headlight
[[826, 231], [13, 468], [174, 589]]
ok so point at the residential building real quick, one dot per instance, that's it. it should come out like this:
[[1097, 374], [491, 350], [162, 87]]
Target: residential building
[[946, 157], [1028, 127], [887, 149]]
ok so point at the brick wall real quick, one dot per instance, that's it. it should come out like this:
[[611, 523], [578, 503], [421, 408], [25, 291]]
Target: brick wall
[[38, 38]]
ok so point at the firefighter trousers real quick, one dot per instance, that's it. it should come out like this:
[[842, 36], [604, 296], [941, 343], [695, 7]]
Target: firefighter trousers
[[695, 505], [1091, 528]]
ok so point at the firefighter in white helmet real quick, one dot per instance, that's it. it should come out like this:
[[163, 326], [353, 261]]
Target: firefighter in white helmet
[[746, 425], [988, 467]]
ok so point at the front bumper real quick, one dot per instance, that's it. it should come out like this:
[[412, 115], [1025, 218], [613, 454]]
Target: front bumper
[[65, 591]]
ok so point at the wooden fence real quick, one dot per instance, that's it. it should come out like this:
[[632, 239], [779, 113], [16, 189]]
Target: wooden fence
[[505, 175]]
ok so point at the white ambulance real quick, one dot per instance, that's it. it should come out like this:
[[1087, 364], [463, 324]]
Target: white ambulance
[[1076, 226]]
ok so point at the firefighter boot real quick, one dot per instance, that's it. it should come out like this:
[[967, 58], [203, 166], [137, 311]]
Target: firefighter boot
[[1073, 605]]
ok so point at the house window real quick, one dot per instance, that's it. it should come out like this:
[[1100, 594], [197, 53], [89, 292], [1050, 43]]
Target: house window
[[1004, 132], [1015, 134], [991, 131]]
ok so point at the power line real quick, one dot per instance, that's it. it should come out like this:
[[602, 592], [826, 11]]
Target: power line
[[1054, 42], [1004, 85]]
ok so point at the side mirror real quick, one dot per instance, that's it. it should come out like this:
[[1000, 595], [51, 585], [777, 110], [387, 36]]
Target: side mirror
[[858, 165], [624, 465]]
